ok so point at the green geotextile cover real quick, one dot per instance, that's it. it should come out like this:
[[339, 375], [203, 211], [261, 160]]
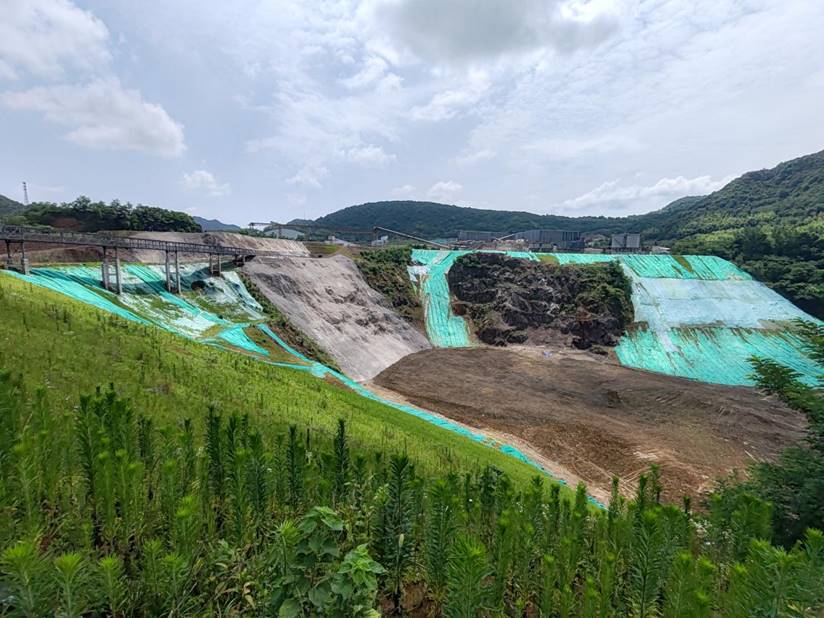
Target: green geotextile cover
[[444, 328], [697, 317], [217, 311]]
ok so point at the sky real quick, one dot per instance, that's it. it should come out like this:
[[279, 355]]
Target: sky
[[268, 110]]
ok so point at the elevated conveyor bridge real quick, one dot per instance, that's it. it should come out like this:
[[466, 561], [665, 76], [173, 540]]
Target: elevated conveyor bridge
[[112, 244]]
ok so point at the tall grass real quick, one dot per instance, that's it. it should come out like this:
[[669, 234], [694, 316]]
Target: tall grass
[[118, 516]]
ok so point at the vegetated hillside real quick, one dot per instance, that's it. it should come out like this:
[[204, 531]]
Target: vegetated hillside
[[74, 348], [173, 492], [769, 222], [385, 271], [9, 207], [213, 225], [433, 220], [83, 215]]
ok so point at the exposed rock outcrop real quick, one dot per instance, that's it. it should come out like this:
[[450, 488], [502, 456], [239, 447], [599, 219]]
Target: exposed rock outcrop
[[512, 301]]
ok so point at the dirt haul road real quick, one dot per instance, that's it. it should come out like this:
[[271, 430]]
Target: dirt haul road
[[597, 419], [329, 300]]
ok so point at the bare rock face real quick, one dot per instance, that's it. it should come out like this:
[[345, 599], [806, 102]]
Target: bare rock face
[[515, 301]]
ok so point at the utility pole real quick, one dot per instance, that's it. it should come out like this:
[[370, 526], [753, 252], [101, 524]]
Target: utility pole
[[25, 194]]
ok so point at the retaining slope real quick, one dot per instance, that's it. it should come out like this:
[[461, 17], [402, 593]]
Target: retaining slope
[[697, 317], [329, 300]]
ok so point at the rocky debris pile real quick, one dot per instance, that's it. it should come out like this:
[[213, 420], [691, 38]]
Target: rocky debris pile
[[511, 301]]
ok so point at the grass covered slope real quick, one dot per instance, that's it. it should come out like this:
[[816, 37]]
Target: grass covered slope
[[168, 377], [183, 493]]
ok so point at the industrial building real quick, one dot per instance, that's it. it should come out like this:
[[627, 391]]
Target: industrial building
[[625, 243], [532, 240], [550, 240]]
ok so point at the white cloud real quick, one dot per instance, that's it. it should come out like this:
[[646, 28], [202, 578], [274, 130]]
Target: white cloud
[[201, 180], [309, 176], [448, 103], [444, 190], [559, 149], [469, 157], [48, 37], [467, 30], [631, 199], [368, 156], [403, 191], [104, 115], [372, 70]]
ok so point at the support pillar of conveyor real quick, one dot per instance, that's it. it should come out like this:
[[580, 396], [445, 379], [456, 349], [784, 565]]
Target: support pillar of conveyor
[[9, 263], [117, 274], [177, 272], [168, 273], [104, 269], [24, 262]]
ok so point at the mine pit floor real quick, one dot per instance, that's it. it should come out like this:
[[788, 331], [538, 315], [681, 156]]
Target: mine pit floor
[[586, 417]]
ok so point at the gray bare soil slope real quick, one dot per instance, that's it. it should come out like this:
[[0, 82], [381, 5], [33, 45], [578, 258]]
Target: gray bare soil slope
[[329, 300]]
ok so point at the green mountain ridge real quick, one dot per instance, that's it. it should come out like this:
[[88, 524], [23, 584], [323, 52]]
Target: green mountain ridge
[[9, 207], [769, 222], [214, 225]]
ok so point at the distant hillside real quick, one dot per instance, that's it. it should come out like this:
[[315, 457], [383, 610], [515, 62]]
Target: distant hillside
[[213, 225], [10, 207], [433, 220], [83, 215], [770, 222]]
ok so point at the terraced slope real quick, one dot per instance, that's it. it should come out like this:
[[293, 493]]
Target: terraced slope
[[697, 317]]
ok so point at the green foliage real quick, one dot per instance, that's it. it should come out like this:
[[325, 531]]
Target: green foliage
[[794, 484], [9, 207], [385, 271], [86, 216], [200, 544]]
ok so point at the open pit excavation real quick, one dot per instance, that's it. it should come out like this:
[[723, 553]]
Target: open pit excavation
[[575, 414]]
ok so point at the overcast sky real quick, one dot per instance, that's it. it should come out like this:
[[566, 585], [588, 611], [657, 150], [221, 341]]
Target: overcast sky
[[268, 110]]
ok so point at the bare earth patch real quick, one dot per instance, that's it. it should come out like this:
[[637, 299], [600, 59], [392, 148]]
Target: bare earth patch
[[594, 418]]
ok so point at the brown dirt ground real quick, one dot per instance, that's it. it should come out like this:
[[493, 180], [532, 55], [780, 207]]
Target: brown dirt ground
[[591, 418]]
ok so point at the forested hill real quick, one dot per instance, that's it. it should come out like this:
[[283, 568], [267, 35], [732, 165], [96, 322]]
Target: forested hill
[[770, 222], [9, 207], [791, 193], [83, 215], [433, 220]]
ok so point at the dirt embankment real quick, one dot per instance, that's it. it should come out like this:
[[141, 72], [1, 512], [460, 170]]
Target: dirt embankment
[[595, 419], [329, 300], [512, 301]]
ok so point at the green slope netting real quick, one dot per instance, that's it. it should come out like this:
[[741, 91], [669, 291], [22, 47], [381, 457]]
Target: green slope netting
[[216, 311], [444, 328], [697, 317]]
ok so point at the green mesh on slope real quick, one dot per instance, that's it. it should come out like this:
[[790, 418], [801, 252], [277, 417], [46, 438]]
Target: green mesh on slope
[[444, 328], [82, 284], [697, 317]]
